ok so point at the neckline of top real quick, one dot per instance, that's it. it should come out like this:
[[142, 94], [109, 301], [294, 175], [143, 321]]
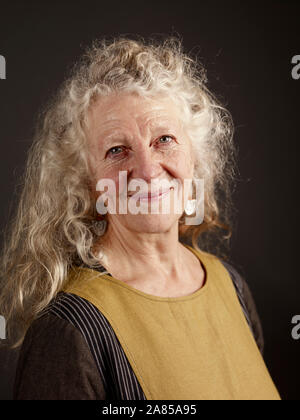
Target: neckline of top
[[203, 259]]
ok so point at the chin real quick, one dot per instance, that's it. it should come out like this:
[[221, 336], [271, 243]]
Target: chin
[[158, 223]]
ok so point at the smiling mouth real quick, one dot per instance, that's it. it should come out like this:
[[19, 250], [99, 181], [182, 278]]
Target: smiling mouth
[[151, 196]]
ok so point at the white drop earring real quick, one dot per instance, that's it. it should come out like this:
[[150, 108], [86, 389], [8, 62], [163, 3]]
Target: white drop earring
[[190, 207]]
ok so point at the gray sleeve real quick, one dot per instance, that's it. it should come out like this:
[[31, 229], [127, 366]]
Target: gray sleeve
[[55, 363]]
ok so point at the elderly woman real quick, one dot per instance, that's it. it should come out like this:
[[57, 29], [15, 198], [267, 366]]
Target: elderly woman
[[112, 303]]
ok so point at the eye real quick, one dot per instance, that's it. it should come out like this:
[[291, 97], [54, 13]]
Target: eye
[[114, 150], [168, 139]]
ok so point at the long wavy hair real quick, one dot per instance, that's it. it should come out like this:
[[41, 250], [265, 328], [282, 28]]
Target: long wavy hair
[[52, 224]]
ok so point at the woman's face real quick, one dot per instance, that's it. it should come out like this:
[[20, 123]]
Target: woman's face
[[146, 139]]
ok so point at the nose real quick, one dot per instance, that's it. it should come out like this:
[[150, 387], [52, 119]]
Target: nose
[[145, 165]]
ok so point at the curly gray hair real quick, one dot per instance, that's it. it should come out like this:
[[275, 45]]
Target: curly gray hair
[[52, 225]]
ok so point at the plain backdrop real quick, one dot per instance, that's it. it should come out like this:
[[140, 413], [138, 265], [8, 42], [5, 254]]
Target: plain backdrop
[[247, 50]]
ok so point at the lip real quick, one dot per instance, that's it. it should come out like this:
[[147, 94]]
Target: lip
[[152, 196]]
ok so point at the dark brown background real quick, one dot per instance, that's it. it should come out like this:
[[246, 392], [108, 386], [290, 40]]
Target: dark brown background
[[247, 49]]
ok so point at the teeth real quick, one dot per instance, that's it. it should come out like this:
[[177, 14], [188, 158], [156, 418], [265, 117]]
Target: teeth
[[147, 194]]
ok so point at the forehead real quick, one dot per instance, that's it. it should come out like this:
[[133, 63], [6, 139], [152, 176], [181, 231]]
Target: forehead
[[125, 108]]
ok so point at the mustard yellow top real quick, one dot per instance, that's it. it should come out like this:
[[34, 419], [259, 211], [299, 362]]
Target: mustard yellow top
[[195, 347]]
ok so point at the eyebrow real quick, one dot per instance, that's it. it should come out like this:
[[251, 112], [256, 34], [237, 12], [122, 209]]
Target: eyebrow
[[114, 137], [120, 136]]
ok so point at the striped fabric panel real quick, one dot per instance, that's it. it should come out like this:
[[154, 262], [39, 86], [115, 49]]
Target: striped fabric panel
[[119, 379]]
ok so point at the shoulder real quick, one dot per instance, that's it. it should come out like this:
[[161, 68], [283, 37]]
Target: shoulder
[[237, 278], [247, 302], [76, 310], [74, 334], [88, 320], [55, 362]]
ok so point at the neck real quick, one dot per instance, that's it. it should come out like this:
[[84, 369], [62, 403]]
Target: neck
[[131, 255]]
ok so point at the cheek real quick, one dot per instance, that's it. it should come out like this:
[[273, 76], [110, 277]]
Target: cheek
[[111, 175], [181, 164]]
